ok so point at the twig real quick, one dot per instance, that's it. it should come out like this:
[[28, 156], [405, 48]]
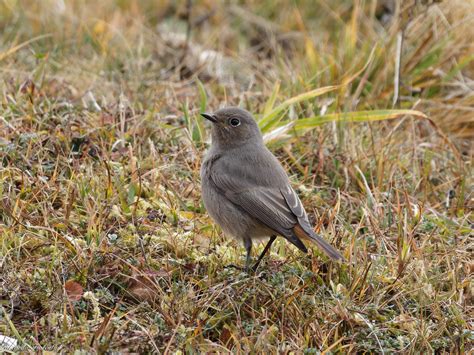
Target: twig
[[398, 59], [188, 33]]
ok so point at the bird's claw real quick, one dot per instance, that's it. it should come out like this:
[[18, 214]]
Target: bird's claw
[[233, 266], [248, 269]]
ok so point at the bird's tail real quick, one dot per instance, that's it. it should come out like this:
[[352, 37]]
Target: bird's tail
[[322, 244]]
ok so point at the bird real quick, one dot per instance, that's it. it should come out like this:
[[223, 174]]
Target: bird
[[246, 190]]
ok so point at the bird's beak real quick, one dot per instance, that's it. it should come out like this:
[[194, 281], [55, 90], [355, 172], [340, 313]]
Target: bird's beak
[[209, 117]]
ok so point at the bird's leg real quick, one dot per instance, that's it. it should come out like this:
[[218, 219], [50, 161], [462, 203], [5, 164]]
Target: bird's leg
[[265, 250], [248, 248]]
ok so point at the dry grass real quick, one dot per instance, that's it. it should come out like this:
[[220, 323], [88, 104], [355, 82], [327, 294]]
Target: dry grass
[[104, 242]]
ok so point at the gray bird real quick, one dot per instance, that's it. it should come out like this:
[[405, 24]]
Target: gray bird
[[246, 190]]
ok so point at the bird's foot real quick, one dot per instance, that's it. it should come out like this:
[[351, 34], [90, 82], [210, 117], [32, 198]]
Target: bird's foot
[[233, 266], [247, 269]]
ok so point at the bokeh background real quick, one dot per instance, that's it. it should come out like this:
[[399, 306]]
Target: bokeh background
[[104, 242]]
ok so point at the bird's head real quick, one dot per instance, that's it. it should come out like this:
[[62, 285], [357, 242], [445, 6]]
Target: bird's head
[[232, 127]]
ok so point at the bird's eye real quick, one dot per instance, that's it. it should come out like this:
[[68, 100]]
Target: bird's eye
[[234, 122]]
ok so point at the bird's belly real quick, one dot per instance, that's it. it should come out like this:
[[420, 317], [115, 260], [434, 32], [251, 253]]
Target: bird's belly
[[233, 220]]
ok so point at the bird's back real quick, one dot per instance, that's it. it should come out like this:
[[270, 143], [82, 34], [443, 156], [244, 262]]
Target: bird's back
[[250, 168]]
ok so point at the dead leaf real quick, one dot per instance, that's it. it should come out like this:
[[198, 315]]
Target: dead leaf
[[74, 290], [226, 337], [142, 286]]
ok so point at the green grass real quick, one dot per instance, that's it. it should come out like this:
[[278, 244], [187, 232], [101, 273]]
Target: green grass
[[105, 244]]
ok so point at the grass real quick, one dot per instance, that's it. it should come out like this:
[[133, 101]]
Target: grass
[[104, 242]]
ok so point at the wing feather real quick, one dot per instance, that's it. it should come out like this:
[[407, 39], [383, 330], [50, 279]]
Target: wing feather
[[304, 229], [268, 198]]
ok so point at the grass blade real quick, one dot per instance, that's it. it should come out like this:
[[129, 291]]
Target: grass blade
[[356, 116], [274, 117], [271, 101]]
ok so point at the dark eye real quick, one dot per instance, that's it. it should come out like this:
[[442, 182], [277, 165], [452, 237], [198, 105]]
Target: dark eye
[[234, 122]]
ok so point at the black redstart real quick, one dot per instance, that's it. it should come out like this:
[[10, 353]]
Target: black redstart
[[246, 190]]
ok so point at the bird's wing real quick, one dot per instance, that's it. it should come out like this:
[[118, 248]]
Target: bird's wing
[[265, 193], [303, 229], [296, 207], [257, 192], [270, 208]]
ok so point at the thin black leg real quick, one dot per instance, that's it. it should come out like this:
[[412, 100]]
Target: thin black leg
[[265, 250], [248, 260], [248, 248]]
